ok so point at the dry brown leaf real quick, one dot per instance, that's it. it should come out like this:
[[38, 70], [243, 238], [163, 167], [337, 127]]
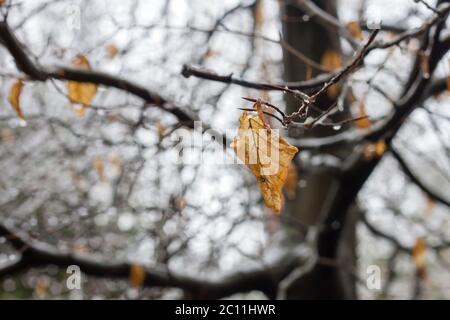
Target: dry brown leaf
[[42, 286], [424, 64], [111, 51], [374, 150], [429, 206], [363, 123], [81, 93], [259, 14], [419, 252], [14, 97], [180, 203], [355, 30], [291, 182], [99, 166], [267, 155], [332, 61], [258, 107], [309, 72], [80, 248], [380, 148], [137, 275]]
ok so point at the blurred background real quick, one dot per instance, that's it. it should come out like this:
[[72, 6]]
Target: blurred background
[[369, 218]]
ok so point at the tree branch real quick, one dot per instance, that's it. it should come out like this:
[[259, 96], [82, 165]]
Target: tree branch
[[265, 278], [280, 86], [38, 73]]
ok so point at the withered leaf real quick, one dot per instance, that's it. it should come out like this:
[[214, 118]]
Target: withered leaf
[[430, 204], [7, 135], [14, 97], [331, 60], [81, 93], [259, 14], [291, 181], [419, 252], [380, 148], [267, 155], [111, 51], [99, 166], [355, 30], [364, 122], [137, 275]]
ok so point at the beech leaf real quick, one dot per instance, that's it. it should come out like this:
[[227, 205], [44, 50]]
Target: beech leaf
[[363, 123], [267, 155], [14, 97]]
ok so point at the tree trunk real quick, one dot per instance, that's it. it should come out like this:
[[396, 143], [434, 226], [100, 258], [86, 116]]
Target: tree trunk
[[323, 200]]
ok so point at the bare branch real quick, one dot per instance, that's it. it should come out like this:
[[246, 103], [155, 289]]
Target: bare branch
[[265, 278]]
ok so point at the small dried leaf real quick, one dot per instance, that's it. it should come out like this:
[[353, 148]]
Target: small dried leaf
[[14, 97], [309, 72], [259, 14], [355, 30], [380, 148], [99, 166], [137, 275], [363, 123], [331, 60], [111, 50], [419, 252], [41, 287], [180, 203], [424, 64], [81, 92], [267, 155]]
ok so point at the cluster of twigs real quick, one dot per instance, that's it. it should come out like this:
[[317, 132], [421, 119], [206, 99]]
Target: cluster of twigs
[[300, 117]]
